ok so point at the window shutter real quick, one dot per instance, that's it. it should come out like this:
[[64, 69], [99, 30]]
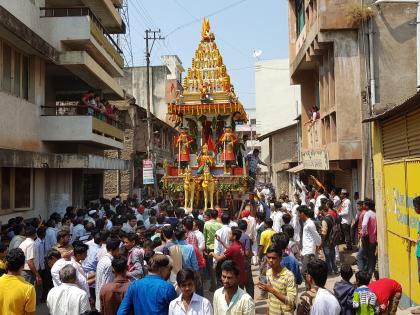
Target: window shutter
[[401, 136]]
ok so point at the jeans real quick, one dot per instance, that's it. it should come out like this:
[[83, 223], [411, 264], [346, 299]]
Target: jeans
[[29, 276], [329, 253], [361, 258], [345, 228]]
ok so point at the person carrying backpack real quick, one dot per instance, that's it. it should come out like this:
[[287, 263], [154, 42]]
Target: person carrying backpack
[[331, 236]]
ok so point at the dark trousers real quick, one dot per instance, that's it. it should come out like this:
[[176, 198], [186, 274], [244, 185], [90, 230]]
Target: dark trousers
[[305, 261], [211, 272], [345, 228], [252, 183], [371, 257], [361, 258], [249, 285], [329, 253]]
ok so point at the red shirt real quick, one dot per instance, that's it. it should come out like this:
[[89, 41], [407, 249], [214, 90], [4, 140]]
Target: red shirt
[[333, 214], [384, 288], [236, 253]]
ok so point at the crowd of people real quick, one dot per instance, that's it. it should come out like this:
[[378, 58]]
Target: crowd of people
[[151, 257]]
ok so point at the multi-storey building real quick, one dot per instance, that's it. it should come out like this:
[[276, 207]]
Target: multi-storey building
[[325, 62], [356, 60], [51, 151]]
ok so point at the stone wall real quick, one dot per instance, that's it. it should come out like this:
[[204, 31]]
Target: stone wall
[[120, 182]]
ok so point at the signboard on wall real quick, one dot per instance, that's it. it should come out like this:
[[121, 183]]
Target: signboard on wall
[[315, 160], [148, 176], [171, 89]]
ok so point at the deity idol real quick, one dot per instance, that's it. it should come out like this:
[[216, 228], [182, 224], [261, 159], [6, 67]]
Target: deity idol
[[204, 159], [228, 140], [183, 142], [189, 190], [208, 186]]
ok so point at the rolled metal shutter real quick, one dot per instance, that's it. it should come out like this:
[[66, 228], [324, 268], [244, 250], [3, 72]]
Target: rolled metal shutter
[[413, 132], [401, 136]]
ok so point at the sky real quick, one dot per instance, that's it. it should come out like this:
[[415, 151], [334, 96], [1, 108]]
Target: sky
[[239, 26]]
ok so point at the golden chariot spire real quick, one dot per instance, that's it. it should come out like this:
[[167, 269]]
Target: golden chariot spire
[[207, 81]]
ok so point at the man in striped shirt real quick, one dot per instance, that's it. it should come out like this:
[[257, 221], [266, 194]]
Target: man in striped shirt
[[104, 273], [280, 284]]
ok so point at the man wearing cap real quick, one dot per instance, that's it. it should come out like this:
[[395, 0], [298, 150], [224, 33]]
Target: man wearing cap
[[344, 212]]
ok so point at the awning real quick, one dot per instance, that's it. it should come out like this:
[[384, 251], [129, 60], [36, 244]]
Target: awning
[[296, 169]]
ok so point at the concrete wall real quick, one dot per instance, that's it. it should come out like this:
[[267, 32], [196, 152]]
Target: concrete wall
[[27, 11], [283, 150], [395, 53], [174, 65], [134, 82], [274, 95]]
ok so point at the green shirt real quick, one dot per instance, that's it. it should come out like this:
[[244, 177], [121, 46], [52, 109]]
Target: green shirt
[[418, 242], [210, 228]]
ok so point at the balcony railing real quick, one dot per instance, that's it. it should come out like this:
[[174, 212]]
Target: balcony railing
[[98, 31], [81, 110]]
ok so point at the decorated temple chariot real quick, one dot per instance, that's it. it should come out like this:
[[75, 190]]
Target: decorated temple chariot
[[207, 170]]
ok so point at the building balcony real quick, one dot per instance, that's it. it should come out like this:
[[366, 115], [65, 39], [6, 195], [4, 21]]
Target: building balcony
[[308, 41], [81, 124], [78, 29], [105, 10], [324, 136]]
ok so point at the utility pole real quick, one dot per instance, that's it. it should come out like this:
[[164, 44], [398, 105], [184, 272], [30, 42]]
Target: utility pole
[[150, 35]]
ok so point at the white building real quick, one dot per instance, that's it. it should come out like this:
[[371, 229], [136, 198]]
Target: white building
[[277, 104]]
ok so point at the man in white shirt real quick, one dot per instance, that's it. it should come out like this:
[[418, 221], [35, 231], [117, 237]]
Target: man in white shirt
[[311, 239], [189, 303], [68, 298], [325, 303], [81, 281], [335, 198], [223, 233], [345, 212], [318, 201], [240, 301], [131, 224], [277, 217], [219, 249], [199, 235], [30, 273], [287, 203], [266, 192]]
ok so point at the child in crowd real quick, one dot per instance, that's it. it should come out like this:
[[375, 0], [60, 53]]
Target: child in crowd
[[343, 290], [293, 246], [364, 300]]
